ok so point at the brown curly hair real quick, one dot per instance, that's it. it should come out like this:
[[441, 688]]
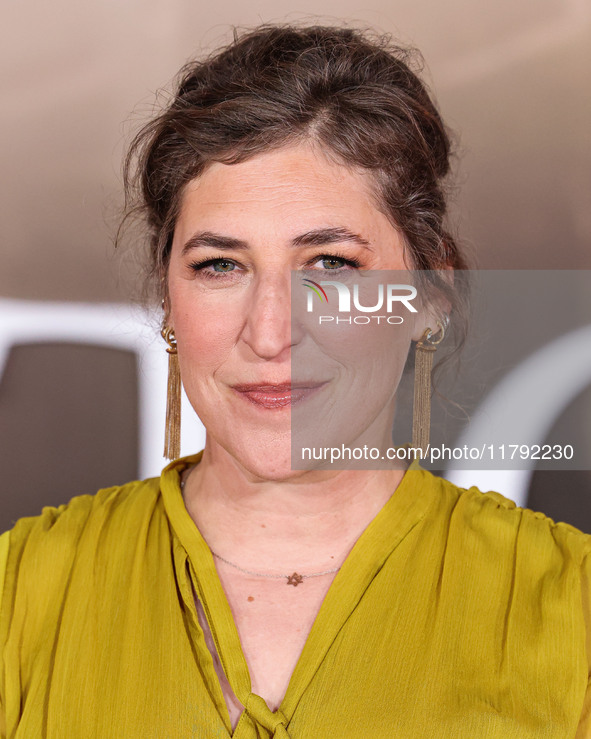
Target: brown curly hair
[[354, 94]]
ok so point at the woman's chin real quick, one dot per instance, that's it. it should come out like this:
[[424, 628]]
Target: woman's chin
[[274, 467], [265, 459]]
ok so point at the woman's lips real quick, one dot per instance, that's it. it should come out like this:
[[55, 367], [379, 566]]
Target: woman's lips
[[277, 396]]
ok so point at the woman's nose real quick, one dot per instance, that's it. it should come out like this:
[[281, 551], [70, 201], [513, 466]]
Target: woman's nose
[[267, 326]]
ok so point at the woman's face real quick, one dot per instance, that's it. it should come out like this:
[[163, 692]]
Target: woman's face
[[242, 230]]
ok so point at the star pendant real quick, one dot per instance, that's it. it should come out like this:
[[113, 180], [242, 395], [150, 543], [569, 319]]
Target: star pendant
[[295, 579]]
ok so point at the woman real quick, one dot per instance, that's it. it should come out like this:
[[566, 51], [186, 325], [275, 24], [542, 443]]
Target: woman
[[237, 596]]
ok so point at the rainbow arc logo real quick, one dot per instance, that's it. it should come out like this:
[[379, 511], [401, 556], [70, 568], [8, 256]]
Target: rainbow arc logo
[[318, 289]]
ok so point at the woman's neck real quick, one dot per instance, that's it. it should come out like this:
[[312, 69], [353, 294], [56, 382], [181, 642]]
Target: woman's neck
[[309, 521]]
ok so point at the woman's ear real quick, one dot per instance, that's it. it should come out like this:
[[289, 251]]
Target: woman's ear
[[436, 311], [165, 304]]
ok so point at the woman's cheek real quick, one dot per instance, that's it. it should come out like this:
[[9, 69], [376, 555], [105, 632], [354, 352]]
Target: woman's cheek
[[205, 340]]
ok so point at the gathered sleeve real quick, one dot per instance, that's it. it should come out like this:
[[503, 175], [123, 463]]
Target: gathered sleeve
[[584, 728], [3, 560]]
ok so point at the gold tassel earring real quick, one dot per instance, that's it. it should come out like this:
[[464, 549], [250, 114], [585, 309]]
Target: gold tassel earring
[[172, 435], [421, 411]]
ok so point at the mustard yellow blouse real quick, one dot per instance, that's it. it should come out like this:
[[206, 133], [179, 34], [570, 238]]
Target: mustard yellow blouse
[[455, 615]]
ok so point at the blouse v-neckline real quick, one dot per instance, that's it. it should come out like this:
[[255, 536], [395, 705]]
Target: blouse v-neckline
[[403, 510]]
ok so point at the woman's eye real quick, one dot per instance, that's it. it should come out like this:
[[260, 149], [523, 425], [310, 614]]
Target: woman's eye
[[333, 262], [222, 265], [214, 267]]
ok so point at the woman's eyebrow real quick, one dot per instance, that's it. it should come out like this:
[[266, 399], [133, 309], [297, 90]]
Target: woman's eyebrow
[[316, 237], [321, 236], [217, 241]]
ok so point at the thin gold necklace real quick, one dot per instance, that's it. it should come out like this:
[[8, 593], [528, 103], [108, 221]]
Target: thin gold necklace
[[294, 579]]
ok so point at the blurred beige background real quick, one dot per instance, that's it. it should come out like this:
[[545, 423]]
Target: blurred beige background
[[512, 79]]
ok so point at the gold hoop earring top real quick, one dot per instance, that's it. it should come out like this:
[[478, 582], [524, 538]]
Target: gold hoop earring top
[[167, 333], [428, 334]]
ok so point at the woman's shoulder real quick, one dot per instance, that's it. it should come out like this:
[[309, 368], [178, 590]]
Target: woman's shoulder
[[499, 523], [68, 519], [51, 539]]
